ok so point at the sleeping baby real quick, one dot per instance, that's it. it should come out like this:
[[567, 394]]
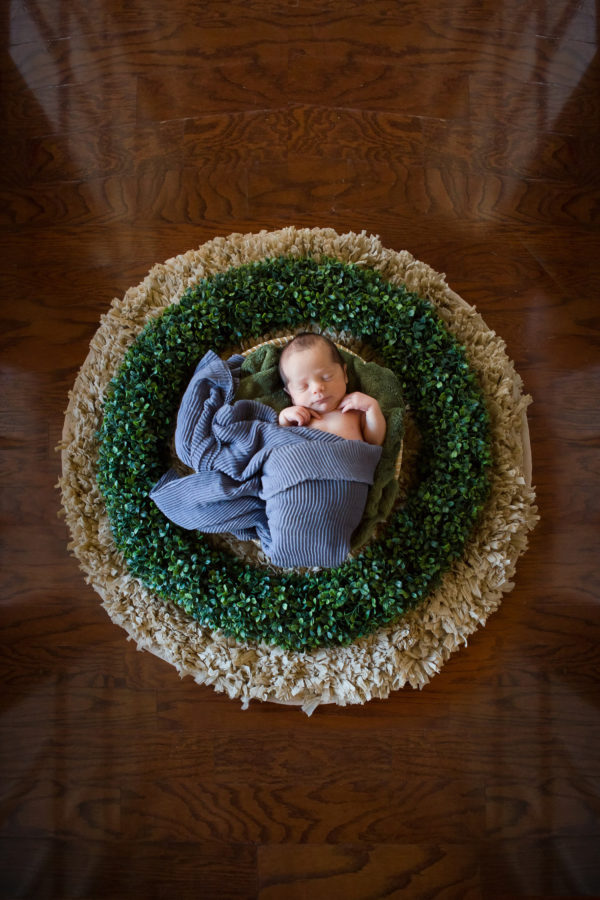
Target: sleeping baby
[[315, 377], [301, 490]]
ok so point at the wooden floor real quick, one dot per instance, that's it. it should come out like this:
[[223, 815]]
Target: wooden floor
[[466, 132]]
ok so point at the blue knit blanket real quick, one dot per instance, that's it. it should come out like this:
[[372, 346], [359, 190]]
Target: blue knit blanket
[[300, 491]]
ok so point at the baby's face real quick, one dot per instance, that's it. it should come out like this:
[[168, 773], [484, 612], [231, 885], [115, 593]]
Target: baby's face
[[314, 379]]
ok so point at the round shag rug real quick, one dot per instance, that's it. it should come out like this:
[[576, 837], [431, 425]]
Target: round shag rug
[[413, 642]]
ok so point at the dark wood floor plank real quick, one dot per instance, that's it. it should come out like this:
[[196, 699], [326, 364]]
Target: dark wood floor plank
[[535, 154], [220, 191], [548, 107], [97, 869], [337, 812], [101, 201], [544, 867], [57, 109], [522, 808], [334, 186], [360, 871], [374, 84], [537, 19], [370, 68]]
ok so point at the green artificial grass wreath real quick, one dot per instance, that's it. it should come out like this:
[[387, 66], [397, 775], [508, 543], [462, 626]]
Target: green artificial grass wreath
[[423, 537]]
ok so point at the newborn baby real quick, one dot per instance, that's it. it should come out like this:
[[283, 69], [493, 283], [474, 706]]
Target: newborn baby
[[300, 491], [315, 377]]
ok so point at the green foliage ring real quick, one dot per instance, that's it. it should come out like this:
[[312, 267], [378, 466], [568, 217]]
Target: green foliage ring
[[297, 611]]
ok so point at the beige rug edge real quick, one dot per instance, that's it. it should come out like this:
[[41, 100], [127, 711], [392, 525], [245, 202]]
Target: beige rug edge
[[408, 653]]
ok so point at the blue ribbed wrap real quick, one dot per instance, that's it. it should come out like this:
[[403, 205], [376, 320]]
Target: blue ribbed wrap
[[301, 491]]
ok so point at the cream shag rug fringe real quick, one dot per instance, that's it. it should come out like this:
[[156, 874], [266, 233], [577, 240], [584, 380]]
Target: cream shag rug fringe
[[414, 649]]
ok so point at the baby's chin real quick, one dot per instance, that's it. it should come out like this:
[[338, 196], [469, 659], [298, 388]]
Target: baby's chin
[[325, 406]]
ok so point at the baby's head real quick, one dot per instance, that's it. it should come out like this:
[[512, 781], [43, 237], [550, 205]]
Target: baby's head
[[313, 372]]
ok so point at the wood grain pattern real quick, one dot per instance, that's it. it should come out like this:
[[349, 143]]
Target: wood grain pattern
[[465, 133], [368, 871]]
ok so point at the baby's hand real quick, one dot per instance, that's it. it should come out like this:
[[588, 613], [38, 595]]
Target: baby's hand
[[297, 415], [359, 401], [373, 421]]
